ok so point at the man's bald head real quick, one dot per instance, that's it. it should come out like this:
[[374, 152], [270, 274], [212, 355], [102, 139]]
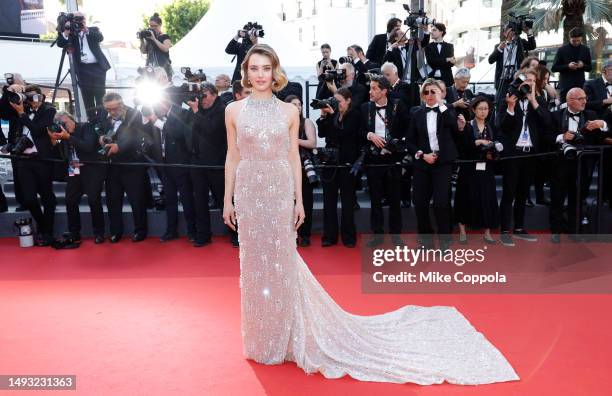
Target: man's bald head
[[576, 99]]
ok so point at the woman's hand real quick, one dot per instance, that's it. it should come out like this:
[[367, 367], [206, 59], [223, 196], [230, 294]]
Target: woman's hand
[[229, 215], [461, 122], [298, 215]]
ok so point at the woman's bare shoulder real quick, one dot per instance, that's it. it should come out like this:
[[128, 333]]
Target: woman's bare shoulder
[[233, 108]]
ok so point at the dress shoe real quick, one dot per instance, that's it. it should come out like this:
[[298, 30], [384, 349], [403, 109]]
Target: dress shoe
[[304, 242], [406, 203], [235, 242], [489, 241], [115, 238], [74, 236], [99, 239], [327, 243], [45, 240], [199, 242], [168, 236], [529, 203], [445, 244], [191, 237], [139, 237]]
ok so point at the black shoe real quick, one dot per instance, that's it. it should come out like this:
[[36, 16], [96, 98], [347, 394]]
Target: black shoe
[[45, 240], [21, 209], [506, 239], [168, 236], [235, 242], [529, 203], [406, 203], [99, 239], [139, 237], [327, 243], [115, 238], [522, 234], [555, 238], [304, 242], [199, 242], [191, 237], [74, 236], [376, 240]]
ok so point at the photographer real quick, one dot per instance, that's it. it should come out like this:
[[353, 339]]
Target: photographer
[[208, 143], [79, 142], [380, 43], [307, 140], [361, 63], [524, 126], [346, 79], [90, 64], [340, 126], [385, 122], [509, 54], [250, 36], [32, 140], [431, 141], [123, 141], [325, 64], [156, 45], [15, 84], [440, 55], [224, 86], [170, 125], [239, 92], [459, 95], [574, 127], [571, 62]]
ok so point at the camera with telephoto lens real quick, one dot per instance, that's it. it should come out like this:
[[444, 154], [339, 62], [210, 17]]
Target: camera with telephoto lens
[[334, 75], [144, 34], [318, 104], [310, 162], [21, 145], [393, 145], [415, 19], [345, 59], [518, 88], [71, 22], [191, 92], [570, 149], [519, 22], [494, 148], [15, 97], [251, 28], [327, 155]]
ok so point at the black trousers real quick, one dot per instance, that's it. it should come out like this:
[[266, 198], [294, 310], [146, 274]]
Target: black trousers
[[92, 82], [178, 181], [130, 181], [204, 182], [307, 198], [89, 182], [334, 180], [433, 181], [516, 182], [381, 180], [17, 183], [37, 180]]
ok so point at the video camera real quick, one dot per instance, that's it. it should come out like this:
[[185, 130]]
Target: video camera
[[251, 28], [74, 23], [414, 19], [518, 22]]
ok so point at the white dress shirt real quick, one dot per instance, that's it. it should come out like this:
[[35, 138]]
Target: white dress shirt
[[432, 126]]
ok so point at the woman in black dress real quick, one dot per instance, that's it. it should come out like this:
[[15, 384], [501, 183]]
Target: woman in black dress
[[476, 199]]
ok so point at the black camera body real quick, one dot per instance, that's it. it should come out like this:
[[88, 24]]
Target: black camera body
[[518, 89], [74, 23], [318, 104], [570, 149], [328, 155], [21, 145], [15, 97], [518, 22], [393, 145], [144, 34], [414, 19], [334, 75], [57, 126], [190, 92], [494, 148]]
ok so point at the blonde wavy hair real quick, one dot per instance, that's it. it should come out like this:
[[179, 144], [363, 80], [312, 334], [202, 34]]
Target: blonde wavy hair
[[279, 79]]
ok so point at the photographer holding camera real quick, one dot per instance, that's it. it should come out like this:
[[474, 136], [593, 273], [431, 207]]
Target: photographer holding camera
[[440, 55], [250, 34], [156, 45], [574, 127], [79, 142], [385, 123], [340, 125], [345, 78], [89, 61], [122, 141], [572, 61], [380, 43], [524, 130], [32, 140], [324, 65], [459, 95]]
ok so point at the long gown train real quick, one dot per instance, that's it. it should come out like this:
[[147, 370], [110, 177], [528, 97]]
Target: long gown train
[[288, 316]]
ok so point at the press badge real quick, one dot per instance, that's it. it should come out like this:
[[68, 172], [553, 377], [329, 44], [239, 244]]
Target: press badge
[[481, 166], [84, 58]]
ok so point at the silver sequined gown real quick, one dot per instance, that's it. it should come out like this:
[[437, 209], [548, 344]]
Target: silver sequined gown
[[287, 315]]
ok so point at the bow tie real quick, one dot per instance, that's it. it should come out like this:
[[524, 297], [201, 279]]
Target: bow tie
[[608, 84], [381, 107], [575, 115], [436, 109]]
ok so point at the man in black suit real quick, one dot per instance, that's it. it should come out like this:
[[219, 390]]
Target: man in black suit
[[208, 142], [240, 49], [292, 88], [170, 126], [599, 91], [361, 62], [380, 42], [359, 92], [440, 55], [123, 142], [90, 65], [459, 95], [384, 124], [224, 86], [79, 142], [431, 140], [571, 61], [524, 129], [34, 117], [239, 92], [508, 56], [570, 124]]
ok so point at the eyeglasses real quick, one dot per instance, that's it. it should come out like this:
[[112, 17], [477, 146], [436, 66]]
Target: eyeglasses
[[429, 92]]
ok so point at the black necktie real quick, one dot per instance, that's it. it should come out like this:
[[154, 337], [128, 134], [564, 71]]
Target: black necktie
[[436, 109]]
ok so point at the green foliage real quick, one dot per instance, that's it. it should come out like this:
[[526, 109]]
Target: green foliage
[[179, 17]]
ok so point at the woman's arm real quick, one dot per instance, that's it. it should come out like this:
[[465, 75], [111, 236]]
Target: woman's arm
[[311, 136], [231, 164], [294, 153], [165, 46]]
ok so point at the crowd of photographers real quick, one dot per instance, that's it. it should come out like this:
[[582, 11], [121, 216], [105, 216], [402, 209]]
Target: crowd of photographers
[[395, 113]]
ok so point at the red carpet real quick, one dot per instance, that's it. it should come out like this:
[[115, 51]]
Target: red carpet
[[153, 319]]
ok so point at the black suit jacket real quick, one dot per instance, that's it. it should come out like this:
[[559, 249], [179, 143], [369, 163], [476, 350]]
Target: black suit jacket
[[208, 140], [292, 88], [452, 95], [377, 48], [84, 139], [9, 114], [176, 130], [398, 128], [418, 136], [569, 78], [362, 68], [596, 92], [402, 90], [43, 118], [593, 137], [94, 38], [395, 56], [130, 137], [344, 135], [497, 57], [240, 50], [437, 61], [538, 120]]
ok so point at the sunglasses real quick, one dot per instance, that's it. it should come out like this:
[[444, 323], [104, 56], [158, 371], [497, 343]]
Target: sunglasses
[[429, 92]]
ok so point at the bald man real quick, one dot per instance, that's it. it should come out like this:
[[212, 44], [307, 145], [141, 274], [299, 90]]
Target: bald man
[[574, 127]]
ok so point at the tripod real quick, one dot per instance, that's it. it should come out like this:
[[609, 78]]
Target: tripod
[[75, 107], [508, 69]]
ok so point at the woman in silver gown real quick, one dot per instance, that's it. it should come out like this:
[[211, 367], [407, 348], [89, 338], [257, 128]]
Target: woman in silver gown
[[286, 314]]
